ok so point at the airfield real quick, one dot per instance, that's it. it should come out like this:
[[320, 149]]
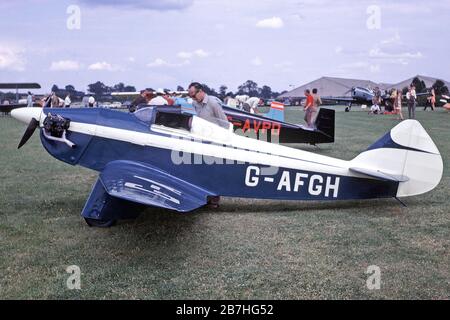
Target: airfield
[[246, 249]]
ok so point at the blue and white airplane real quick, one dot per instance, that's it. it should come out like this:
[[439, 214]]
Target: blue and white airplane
[[164, 158]]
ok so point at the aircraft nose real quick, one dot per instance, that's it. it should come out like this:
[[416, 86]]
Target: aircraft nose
[[26, 114]]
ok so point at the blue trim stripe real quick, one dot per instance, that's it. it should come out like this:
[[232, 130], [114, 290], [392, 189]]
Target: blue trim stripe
[[387, 142]]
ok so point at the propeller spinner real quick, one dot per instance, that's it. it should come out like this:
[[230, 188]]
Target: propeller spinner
[[30, 116]]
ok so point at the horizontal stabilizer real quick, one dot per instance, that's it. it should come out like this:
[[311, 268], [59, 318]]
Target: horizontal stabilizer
[[406, 154], [380, 175]]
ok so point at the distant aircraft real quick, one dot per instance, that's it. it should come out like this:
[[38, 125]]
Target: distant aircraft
[[18, 103], [446, 102], [163, 158], [362, 96]]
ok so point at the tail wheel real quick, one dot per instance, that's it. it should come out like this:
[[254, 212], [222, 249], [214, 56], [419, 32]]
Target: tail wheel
[[100, 223]]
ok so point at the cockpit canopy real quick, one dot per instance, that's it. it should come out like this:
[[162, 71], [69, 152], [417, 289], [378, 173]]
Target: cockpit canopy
[[171, 117]]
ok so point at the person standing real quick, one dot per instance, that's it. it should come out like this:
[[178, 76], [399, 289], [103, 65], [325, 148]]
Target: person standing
[[91, 101], [411, 100], [67, 101], [207, 107], [54, 100], [308, 107], [431, 100], [398, 104], [29, 100], [317, 101]]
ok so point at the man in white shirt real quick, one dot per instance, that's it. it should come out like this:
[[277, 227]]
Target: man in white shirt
[[241, 100], [67, 102], [91, 101], [159, 99], [251, 105]]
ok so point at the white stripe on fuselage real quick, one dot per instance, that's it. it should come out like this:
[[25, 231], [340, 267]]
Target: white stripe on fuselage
[[256, 152]]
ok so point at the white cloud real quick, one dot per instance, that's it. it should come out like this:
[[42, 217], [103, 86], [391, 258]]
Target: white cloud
[[256, 61], [163, 63], [396, 58], [199, 53], [11, 58], [359, 65], [393, 40], [338, 50], [284, 64], [65, 65], [103, 66], [274, 23]]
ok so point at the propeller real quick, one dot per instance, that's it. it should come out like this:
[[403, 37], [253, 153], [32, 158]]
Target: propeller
[[28, 132], [349, 90]]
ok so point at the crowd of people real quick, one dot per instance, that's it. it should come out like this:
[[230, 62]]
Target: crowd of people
[[311, 104], [394, 102]]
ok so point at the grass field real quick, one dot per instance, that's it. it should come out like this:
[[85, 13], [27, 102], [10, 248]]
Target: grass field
[[246, 249]]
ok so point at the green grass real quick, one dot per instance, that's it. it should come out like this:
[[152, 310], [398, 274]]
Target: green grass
[[246, 249]]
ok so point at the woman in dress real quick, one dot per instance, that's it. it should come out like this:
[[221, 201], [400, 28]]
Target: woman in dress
[[398, 104]]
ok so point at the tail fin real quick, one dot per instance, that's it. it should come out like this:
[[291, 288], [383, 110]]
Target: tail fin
[[325, 122], [276, 111], [406, 154]]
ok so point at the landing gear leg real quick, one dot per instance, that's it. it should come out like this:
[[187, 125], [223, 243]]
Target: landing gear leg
[[102, 210], [401, 202]]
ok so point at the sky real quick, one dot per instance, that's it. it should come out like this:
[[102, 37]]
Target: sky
[[165, 43]]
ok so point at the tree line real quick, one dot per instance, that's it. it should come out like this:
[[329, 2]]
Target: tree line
[[101, 90]]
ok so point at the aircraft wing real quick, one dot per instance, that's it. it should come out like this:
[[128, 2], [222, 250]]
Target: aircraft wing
[[141, 184], [332, 100], [7, 108], [286, 132], [148, 185]]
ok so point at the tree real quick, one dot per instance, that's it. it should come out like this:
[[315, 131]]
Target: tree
[[266, 92], [249, 88], [98, 89], [118, 87], [180, 88], [209, 91], [129, 89], [404, 90], [223, 90], [70, 88], [440, 88], [419, 84], [55, 88]]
